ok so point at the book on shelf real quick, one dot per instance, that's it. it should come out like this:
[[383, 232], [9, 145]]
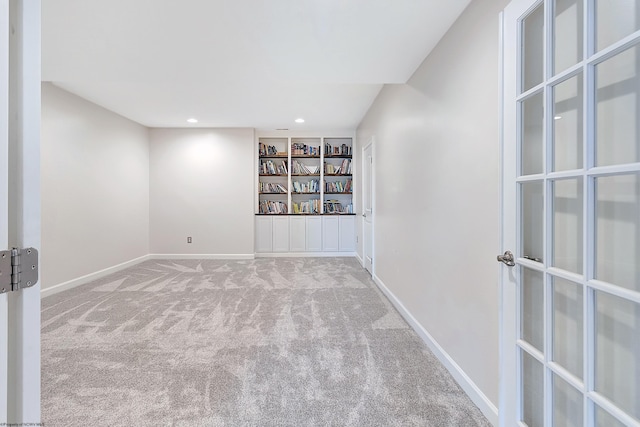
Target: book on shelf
[[338, 186], [334, 206], [299, 149], [302, 169], [267, 150], [312, 186], [338, 150], [343, 169], [310, 207], [269, 167], [272, 187], [272, 207]]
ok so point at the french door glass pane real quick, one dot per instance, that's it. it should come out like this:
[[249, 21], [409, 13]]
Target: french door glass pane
[[532, 204], [533, 48], [567, 124], [532, 391], [567, 325], [532, 308], [567, 225], [567, 404], [617, 109], [604, 419], [615, 19], [532, 121], [618, 230], [617, 364], [568, 33]]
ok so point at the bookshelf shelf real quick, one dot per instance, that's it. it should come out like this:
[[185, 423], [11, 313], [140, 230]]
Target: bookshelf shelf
[[295, 165]]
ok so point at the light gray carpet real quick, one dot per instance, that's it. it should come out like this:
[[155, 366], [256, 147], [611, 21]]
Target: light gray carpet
[[268, 342]]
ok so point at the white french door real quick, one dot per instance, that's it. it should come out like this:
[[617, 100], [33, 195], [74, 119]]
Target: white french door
[[570, 338], [19, 207]]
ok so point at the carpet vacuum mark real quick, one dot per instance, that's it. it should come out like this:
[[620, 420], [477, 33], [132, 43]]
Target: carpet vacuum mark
[[266, 342]]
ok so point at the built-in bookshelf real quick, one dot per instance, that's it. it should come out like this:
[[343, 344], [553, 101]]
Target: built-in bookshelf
[[273, 174], [305, 176], [337, 176]]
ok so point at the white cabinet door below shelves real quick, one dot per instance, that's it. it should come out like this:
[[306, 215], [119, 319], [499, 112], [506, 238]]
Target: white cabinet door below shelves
[[330, 233], [264, 234], [348, 233], [297, 234], [314, 233], [281, 234]]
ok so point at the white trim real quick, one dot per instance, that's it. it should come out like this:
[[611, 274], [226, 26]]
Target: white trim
[[91, 277], [24, 380], [502, 340], [305, 254], [202, 256], [4, 199], [468, 386], [360, 259]]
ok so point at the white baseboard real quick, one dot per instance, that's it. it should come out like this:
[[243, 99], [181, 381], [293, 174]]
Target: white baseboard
[[201, 256], [90, 277], [477, 396], [304, 254], [360, 260]]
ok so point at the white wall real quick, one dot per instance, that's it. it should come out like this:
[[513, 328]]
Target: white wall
[[437, 192], [202, 186], [95, 188]]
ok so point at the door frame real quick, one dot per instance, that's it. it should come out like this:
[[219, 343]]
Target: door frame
[[20, 72], [4, 196], [370, 143]]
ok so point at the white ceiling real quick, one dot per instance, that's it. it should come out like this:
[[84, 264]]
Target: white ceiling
[[239, 63]]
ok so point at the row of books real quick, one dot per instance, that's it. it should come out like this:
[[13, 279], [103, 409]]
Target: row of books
[[302, 169], [272, 187], [343, 169], [312, 186], [271, 207], [338, 187], [298, 149], [339, 150], [267, 150], [334, 206], [310, 207], [268, 167]]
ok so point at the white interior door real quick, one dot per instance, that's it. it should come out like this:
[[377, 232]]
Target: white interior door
[[367, 208], [20, 201], [571, 213]]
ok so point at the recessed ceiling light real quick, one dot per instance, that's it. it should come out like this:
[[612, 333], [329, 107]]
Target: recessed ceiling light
[[557, 117], [299, 120], [192, 120]]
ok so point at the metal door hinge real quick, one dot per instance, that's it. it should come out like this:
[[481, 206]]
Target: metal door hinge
[[18, 269]]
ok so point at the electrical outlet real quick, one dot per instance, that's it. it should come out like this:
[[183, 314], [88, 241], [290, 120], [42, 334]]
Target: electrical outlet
[[188, 239]]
